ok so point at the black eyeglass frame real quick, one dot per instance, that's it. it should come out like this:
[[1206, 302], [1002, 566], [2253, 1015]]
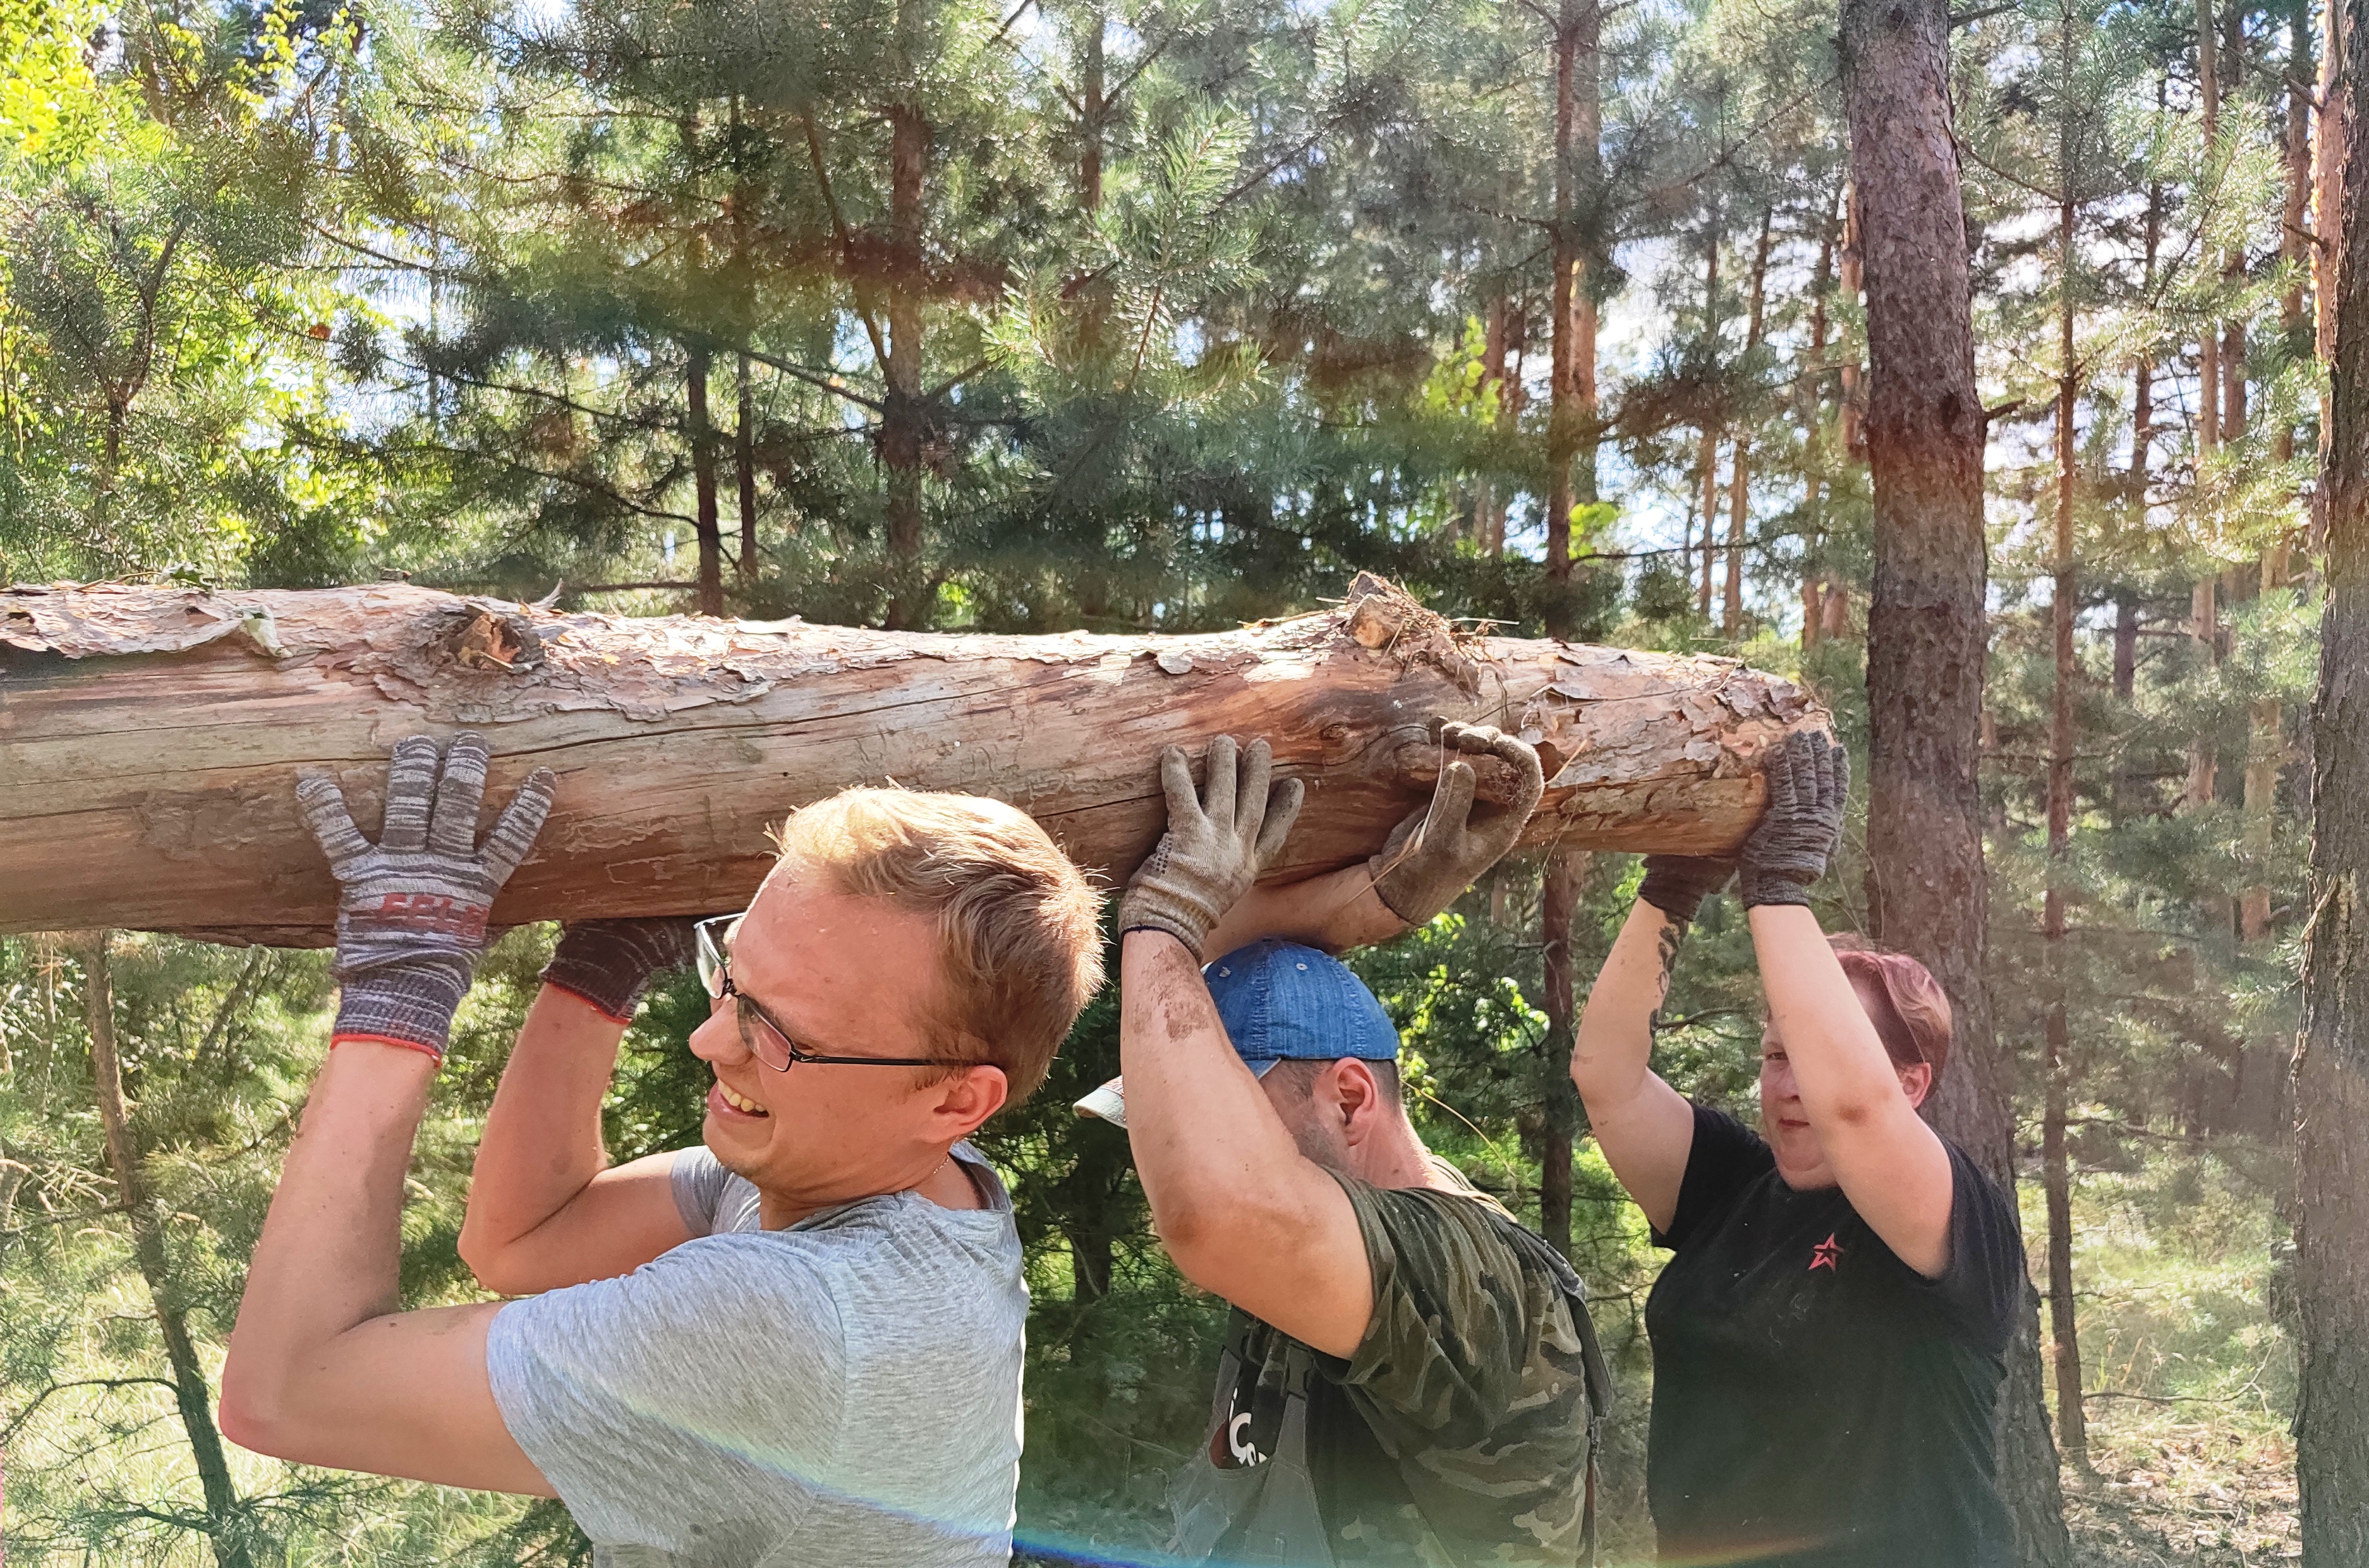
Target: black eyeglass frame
[[713, 944]]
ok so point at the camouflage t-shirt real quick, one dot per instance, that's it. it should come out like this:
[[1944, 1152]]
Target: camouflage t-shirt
[[1458, 1432]]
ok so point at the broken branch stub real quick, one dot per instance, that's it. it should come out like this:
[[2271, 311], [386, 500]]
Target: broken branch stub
[[151, 739]]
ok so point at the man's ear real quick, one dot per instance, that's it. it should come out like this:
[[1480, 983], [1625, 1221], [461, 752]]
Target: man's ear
[[1356, 1096], [971, 1096]]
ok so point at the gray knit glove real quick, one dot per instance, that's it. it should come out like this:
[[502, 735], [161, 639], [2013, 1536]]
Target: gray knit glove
[[1809, 779], [412, 907], [1678, 884], [1436, 853], [610, 962], [1217, 842]]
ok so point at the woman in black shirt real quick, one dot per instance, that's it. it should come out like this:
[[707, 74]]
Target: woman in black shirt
[[1830, 1338]]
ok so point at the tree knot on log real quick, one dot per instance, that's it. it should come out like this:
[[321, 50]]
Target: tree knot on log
[[1381, 615], [479, 636]]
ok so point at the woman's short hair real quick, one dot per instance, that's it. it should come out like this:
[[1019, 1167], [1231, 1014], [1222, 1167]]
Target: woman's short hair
[[1906, 1003], [1018, 942]]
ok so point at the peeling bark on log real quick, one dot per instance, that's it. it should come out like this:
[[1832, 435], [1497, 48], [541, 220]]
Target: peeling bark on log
[[150, 740]]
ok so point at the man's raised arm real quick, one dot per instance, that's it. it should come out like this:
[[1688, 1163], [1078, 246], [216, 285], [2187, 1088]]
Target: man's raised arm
[[546, 1209], [323, 1367], [1243, 1213]]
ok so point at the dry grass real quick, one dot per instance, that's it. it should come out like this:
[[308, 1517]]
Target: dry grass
[[2169, 1488]]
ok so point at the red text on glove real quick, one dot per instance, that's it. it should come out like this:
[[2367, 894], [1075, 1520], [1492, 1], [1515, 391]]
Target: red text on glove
[[429, 911]]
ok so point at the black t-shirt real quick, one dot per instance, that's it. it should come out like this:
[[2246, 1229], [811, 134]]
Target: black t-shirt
[[1815, 1400]]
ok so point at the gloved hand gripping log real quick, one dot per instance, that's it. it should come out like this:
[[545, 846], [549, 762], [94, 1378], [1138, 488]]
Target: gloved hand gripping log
[[1200, 878], [412, 907]]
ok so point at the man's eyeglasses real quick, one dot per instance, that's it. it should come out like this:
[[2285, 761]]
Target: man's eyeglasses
[[763, 1039]]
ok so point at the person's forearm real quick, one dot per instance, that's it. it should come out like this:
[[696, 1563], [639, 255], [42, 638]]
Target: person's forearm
[[1612, 1049], [1836, 1055], [330, 1253], [1201, 1128], [1334, 911], [543, 1143]]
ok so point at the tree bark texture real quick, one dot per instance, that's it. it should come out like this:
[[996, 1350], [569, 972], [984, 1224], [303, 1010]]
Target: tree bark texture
[[1558, 902], [744, 470], [906, 411], [1571, 411], [1852, 265], [1709, 458], [2332, 1077], [2208, 341], [150, 739], [1488, 499], [1928, 628], [703, 471], [1810, 391], [225, 1524], [1739, 491], [2205, 631], [2057, 1169], [2331, 136]]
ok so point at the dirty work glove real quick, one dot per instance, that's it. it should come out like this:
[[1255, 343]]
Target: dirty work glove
[[610, 962], [1216, 841], [1809, 778], [1678, 884], [1436, 853], [411, 908]]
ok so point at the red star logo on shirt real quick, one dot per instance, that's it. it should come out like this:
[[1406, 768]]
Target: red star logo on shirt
[[1826, 1254]]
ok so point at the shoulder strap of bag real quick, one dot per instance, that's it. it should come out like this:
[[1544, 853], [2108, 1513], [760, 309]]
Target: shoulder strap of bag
[[1597, 1372]]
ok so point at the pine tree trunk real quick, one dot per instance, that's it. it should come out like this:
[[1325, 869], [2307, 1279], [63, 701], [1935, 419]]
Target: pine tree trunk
[[1570, 412], [2266, 751], [2332, 1077], [2332, 137], [2143, 374], [2295, 246], [1739, 497], [2229, 62], [2265, 754], [2203, 617], [1488, 500], [1852, 424], [1559, 901], [744, 416], [2072, 1422], [1708, 471], [1090, 1265], [226, 1525], [150, 739], [2208, 342], [905, 412], [2205, 631], [2127, 784], [1587, 150], [1091, 107], [703, 473], [1927, 632], [744, 470], [1814, 411]]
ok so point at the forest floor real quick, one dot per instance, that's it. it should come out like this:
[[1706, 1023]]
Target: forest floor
[[2172, 1490]]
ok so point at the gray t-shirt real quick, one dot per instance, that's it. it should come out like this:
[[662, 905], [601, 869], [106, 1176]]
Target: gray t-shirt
[[843, 1391]]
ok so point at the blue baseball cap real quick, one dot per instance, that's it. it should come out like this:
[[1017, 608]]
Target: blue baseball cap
[[1280, 1001]]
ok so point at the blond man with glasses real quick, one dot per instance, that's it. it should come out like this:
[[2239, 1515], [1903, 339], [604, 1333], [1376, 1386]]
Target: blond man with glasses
[[800, 1343]]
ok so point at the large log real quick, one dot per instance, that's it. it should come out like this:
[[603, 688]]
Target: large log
[[151, 739]]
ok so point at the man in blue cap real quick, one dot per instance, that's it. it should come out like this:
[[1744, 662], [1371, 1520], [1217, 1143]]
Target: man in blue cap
[[1409, 1376]]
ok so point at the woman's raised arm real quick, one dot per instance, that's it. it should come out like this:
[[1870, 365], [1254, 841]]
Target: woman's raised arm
[[1644, 1126], [1891, 1165]]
